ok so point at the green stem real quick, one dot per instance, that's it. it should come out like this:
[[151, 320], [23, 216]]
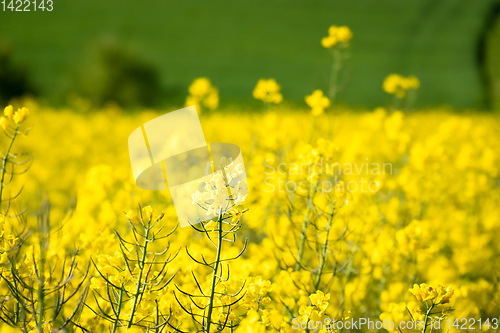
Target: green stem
[[300, 252], [427, 315], [41, 291], [141, 269], [157, 318], [4, 162], [16, 312], [214, 275], [118, 310], [324, 250], [334, 76]]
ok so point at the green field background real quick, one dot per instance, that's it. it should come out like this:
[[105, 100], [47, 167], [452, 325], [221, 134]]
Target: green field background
[[236, 42]]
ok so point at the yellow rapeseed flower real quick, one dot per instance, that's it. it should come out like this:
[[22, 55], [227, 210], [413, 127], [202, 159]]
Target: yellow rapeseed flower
[[337, 35], [328, 41], [320, 300], [202, 94], [4, 123], [21, 115], [148, 211], [399, 85], [8, 111], [236, 214], [132, 216], [268, 90], [4, 258], [200, 87], [317, 102], [438, 294]]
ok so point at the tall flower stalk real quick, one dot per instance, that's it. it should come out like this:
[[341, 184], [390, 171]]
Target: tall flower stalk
[[143, 275], [11, 124], [337, 41], [224, 225]]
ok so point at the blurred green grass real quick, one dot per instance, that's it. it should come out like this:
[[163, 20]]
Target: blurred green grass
[[235, 43]]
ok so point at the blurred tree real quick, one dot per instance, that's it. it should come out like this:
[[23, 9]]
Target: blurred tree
[[489, 57], [14, 79], [118, 74]]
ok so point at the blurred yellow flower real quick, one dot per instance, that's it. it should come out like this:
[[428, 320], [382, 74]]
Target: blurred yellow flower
[[148, 211], [202, 94], [336, 35], [268, 90], [399, 85], [4, 123], [317, 102], [21, 115], [8, 111], [309, 313], [132, 216], [4, 257], [200, 87]]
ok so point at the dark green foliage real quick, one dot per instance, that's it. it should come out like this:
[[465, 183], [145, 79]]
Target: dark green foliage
[[14, 80], [117, 74], [490, 59]]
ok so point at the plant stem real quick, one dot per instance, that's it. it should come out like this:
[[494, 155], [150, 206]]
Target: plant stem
[[214, 275], [334, 76], [141, 269], [41, 292], [323, 252], [118, 310], [16, 312], [300, 252], [427, 314], [4, 162]]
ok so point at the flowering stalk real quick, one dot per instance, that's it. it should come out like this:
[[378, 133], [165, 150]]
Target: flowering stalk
[[334, 76], [118, 310], [214, 275], [29, 288], [435, 295], [217, 274], [338, 38], [303, 235], [142, 262], [6, 159], [427, 316], [324, 250], [43, 227], [29, 309], [129, 284]]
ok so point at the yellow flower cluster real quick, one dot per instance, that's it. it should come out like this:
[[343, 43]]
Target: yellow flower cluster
[[399, 85], [203, 94], [317, 102], [438, 294], [17, 117], [268, 91], [337, 36]]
